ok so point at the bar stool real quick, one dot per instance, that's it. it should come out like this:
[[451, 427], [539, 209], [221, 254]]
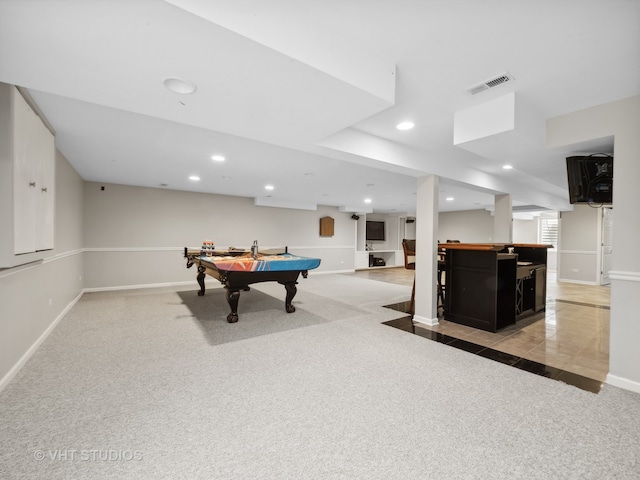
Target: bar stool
[[442, 266], [409, 248]]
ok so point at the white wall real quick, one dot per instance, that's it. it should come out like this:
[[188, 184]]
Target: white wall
[[135, 236], [525, 231], [469, 226], [578, 245], [408, 230], [34, 297]]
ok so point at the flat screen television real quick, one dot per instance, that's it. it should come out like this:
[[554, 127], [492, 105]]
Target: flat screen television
[[375, 230], [590, 179]]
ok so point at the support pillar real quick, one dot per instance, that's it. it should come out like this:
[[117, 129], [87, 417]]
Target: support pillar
[[426, 299], [502, 219]]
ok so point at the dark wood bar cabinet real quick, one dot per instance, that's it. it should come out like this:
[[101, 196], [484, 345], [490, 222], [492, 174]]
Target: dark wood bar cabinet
[[490, 286]]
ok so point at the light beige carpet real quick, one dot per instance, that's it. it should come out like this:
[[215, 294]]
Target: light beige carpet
[[155, 384]]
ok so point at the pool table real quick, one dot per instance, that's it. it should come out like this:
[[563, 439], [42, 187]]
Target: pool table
[[237, 269]]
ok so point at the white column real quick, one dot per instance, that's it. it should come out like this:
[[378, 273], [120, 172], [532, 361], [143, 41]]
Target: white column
[[624, 331], [622, 119], [502, 219], [426, 307]]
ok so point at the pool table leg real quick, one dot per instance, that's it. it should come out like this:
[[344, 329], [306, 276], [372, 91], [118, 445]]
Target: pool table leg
[[200, 279], [232, 298], [291, 292]]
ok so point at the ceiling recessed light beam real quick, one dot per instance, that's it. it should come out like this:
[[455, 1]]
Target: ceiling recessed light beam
[[405, 125]]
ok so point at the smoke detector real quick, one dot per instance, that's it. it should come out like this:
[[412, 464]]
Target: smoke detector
[[490, 83]]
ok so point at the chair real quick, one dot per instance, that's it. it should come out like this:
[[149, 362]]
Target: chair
[[409, 248], [442, 267]]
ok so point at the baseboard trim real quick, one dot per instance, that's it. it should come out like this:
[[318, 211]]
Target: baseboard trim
[[152, 285], [32, 349], [426, 321], [579, 282], [214, 283], [325, 272], [577, 252], [622, 382]]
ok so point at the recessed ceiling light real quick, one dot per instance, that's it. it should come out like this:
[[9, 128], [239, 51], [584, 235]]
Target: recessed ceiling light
[[269, 187], [367, 200], [194, 178], [507, 167], [405, 126], [179, 85], [449, 199], [217, 158]]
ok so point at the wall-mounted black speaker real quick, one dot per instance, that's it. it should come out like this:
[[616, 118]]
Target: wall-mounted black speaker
[[410, 220], [355, 217]]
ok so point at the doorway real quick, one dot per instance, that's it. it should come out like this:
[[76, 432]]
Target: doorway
[[606, 245]]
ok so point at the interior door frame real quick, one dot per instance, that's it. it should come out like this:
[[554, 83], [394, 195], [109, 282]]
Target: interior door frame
[[606, 244]]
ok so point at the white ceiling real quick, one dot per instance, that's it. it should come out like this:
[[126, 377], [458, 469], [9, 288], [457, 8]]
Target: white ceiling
[[305, 95]]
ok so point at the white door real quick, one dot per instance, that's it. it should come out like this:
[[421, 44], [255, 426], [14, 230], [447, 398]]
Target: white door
[[607, 227]]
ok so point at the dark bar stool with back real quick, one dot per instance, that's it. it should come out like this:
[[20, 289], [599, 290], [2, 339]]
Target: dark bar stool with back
[[409, 248]]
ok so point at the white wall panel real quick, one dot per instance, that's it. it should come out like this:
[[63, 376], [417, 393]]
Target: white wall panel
[[134, 235]]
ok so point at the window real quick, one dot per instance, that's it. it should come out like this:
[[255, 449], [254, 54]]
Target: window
[[548, 231]]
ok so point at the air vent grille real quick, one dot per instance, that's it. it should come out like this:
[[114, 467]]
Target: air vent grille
[[490, 83]]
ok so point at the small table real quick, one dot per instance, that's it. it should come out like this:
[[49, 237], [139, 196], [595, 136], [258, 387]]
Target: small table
[[236, 270]]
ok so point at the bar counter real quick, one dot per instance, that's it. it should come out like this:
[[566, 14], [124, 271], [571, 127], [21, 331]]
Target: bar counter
[[492, 285]]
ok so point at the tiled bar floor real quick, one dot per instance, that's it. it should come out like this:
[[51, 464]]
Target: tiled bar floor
[[569, 341]]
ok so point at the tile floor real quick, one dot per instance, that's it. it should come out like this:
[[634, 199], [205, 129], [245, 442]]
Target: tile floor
[[570, 339]]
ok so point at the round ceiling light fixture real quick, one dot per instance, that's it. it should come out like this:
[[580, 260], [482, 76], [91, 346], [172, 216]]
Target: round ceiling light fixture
[[405, 126], [178, 85], [217, 158]]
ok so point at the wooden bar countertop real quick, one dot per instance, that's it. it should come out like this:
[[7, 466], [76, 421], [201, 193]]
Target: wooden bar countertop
[[493, 247]]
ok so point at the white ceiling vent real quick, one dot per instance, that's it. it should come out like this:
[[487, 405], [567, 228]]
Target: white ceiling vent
[[490, 83]]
